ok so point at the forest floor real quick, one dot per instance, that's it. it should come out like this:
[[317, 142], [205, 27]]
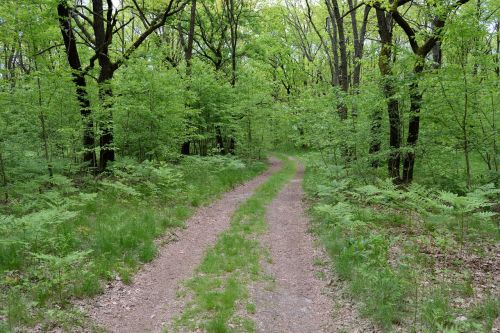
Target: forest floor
[[294, 291]]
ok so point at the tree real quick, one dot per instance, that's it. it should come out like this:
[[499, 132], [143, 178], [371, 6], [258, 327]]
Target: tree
[[420, 50], [385, 27], [103, 18]]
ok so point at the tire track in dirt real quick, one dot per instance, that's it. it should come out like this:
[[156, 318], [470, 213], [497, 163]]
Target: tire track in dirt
[[150, 301], [295, 300]]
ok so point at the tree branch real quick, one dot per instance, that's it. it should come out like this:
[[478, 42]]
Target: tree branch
[[157, 23]]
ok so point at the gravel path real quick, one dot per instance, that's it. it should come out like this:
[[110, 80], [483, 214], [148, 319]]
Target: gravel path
[[295, 299], [295, 302], [150, 301]]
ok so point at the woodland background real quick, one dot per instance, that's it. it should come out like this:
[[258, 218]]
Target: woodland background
[[106, 106]]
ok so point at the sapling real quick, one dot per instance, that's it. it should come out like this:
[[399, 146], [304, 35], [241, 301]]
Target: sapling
[[60, 265]]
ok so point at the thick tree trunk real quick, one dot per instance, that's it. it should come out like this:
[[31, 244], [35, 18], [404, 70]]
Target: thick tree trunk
[[421, 52], [437, 55], [107, 151], [385, 65], [437, 52], [394, 161], [73, 58], [103, 38], [414, 123]]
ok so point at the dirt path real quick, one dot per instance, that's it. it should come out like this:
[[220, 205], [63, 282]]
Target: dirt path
[[295, 300], [150, 301]]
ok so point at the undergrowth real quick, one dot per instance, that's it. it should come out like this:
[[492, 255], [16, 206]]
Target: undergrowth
[[220, 283], [61, 238], [416, 259]]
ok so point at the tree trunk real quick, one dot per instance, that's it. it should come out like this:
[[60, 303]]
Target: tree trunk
[[421, 52], [233, 17], [334, 10], [359, 41], [232, 146], [107, 152], [414, 122], [103, 39], [331, 27], [185, 149], [43, 125], [385, 28], [219, 140], [325, 47], [189, 49], [3, 174], [73, 58]]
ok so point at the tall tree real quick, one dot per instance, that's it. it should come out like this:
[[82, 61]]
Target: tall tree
[[420, 50], [234, 11], [337, 19], [103, 19], [78, 74], [385, 27]]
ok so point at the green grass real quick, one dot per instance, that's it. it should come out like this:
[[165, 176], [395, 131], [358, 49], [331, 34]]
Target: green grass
[[65, 247], [220, 283], [378, 237]]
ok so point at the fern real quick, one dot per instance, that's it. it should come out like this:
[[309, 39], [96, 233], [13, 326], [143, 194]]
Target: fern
[[121, 189]]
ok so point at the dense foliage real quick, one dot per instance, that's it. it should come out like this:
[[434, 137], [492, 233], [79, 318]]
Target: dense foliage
[[417, 259], [105, 104]]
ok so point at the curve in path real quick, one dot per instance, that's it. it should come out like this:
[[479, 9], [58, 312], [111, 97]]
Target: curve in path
[[296, 302], [150, 301]]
